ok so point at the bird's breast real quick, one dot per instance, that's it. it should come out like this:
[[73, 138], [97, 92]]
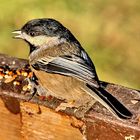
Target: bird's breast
[[63, 87]]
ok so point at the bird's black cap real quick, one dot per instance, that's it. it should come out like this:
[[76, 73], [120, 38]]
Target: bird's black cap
[[49, 27], [44, 26]]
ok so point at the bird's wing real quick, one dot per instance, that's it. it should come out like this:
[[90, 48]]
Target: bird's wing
[[73, 65], [82, 68]]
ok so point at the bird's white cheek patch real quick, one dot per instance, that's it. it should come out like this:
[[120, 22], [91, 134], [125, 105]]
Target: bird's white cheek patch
[[39, 40]]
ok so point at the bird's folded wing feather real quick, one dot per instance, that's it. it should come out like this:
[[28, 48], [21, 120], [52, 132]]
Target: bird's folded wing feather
[[74, 66]]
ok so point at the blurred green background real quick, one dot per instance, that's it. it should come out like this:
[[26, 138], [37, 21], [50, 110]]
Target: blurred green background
[[108, 30]]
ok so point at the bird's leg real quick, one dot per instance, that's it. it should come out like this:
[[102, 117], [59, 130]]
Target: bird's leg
[[32, 86], [63, 106], [79, 111], [35, 89], [82, 110]]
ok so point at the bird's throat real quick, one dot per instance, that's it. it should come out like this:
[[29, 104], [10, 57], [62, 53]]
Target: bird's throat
[[32, 48]]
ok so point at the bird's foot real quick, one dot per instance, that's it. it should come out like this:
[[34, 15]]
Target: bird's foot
[[82, 110], [63, 106]]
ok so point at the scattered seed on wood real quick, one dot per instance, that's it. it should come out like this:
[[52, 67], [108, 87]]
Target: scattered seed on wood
[[16, 83]]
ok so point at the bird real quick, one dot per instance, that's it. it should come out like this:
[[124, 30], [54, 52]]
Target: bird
[[64, 69]]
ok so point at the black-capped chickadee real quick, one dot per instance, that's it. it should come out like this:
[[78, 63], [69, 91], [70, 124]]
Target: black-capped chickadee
[[63, 67]]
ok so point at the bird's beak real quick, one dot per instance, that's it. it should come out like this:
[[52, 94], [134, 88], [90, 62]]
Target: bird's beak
[[18, 34]]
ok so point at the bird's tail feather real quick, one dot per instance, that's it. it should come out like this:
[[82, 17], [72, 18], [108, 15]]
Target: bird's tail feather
[[110, 102]]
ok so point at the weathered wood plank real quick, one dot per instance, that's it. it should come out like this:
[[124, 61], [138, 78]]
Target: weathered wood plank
[[10, 124], [37, 124], [41, 123]]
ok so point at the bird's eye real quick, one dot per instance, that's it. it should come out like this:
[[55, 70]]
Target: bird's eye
[[32, 33]]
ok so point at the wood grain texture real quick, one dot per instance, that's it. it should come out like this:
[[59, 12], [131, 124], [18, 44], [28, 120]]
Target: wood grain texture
[[10, 125], [41, 123], [24, 120]]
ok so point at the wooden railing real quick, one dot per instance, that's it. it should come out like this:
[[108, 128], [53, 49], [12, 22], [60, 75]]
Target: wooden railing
[[35, 119]]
